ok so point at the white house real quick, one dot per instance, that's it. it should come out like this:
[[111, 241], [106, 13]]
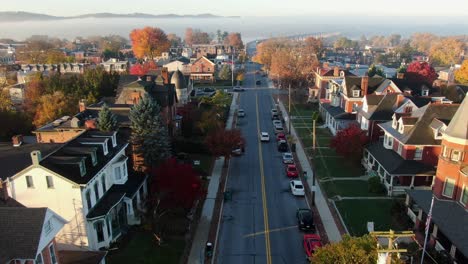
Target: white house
[[86, 182]]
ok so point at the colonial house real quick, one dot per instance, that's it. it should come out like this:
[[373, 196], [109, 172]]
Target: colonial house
[[450, 192], [407, 155], [203, 70], [114, 65], [180, 64], [322, 76], [85, 181], [208, 50], [78, 68]]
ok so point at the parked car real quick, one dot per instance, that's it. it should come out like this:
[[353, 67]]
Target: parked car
[[277, 122], [258, 82], [240, 113], [264, 137], [288, 158], [291, 171], [311, 242], [282, 146], [238, 89], [237, 151], [297, 188], [274, 111], [279, 129], [280, 136], [305, 219]]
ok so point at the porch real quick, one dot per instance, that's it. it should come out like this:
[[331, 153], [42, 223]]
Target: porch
[[336, 118]]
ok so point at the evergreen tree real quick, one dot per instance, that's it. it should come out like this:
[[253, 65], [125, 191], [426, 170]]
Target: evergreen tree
[[225, 73], [373, 70], [107, 121], [149, 137]]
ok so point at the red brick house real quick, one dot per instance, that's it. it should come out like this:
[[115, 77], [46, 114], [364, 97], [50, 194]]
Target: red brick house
[[448, 229], [323, 75], [203, 70]]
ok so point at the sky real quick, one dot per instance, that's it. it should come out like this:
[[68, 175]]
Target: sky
[[245, 7]]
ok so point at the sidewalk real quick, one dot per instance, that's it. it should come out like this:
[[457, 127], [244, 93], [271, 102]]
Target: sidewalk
[[321, 204], [197, 252]]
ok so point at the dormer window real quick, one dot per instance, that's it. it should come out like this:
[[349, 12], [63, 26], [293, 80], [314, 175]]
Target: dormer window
[[418, 152], [438, 133], [456, 155], [395, 123], [82, 168], [425, 92], [356, 93], [445, 152], [114, 140], [94, 158], [104, 148], [401, 128]]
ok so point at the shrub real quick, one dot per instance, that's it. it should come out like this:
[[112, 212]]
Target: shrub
[[375, 186]]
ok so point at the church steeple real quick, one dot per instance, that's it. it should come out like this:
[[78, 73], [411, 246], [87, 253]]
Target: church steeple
[[457, 130]]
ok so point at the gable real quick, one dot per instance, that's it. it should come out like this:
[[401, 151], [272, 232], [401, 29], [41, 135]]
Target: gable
[[52, 225]]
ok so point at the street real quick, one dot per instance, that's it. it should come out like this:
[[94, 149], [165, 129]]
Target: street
[[259, 224]]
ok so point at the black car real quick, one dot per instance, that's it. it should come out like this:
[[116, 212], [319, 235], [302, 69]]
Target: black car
[[282, 146], [305, 219], [258, 82]]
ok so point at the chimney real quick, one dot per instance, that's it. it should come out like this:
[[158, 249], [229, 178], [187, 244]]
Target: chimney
[[400, 99], [165, 75], [336, 71], [3, 191], [400, 75], [82, 105], [135, 97], [17, 140], [364, 85], [90, 124], [325, 65], [407, 92], [36, 157]]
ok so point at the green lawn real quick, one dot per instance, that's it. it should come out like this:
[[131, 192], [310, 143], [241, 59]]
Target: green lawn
[[206, 162], [354, 188], [143, 248], [337, 167], [303, 109], [356, 214]]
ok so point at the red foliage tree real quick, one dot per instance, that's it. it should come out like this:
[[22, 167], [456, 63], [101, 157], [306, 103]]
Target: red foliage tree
[[421, 72], [178, 184], [142, 69], [350, 142], [221, 142]]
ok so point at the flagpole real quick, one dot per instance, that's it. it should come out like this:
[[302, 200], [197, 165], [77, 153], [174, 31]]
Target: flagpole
[[428, 222]]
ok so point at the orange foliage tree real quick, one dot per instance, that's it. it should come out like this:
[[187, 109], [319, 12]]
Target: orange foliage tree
[[149, 42], [53, 106], [189, 36], [234, 39]]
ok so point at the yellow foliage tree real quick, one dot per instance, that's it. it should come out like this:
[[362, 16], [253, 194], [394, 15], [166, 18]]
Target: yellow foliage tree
[[53, 106], [461, 75], [358, 250], [447, 51]]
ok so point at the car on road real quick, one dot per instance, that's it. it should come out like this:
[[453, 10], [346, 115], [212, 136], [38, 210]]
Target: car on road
[[288, 158], [264, 137], [291, 171], [282, 146], [277, 122], [240, 113], [274, 111], [305, 219], [279, 129], [280, 136], [311, 242], [297, 188], [238, 89], [258, 82]]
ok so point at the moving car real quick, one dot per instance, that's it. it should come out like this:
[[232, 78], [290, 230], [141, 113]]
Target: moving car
[[291, 171], [305, 220], [296, 188], [264, 137], [280, 136], [238, 89], [311, 242], [288, 158], [240, 113], [282, 146]]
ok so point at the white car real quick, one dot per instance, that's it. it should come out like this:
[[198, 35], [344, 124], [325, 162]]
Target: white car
[[238, 89], [288, 158], [264, 137], [240, 113], [297, 188], [279, 129]]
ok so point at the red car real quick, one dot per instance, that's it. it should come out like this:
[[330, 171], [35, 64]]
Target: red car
[[280, 136], [291, 171], [311, 243]]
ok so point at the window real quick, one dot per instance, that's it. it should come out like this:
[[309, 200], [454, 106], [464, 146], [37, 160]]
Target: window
[[418, 152], [356, 93], [103, 183], [50, 182], [388, 141], [82, 168], [104, 148], [53, 258], [94, 158], [99, 226], [401, 128], [96, 191], [400, 148], [47, 227], [125, 169], [425, 92], [208, 69], [395, 123], [39, 259], [448, 188], [456, 155], [117, 173], [464, 196], [88, 200], [445, 152], [29, 182]]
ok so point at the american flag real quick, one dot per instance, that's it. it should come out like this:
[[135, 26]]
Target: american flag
[[429, 216]]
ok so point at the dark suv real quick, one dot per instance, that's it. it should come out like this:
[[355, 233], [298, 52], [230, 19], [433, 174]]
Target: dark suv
[[282, 146], [305, 220]]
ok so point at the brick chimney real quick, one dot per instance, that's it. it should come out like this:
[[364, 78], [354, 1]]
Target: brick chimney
[[82, 104], [400, 99], [336, 71], [3, 191], [400, 75], [90, 124], [17, 140], [36, 157], [165, 75], [364, 85]]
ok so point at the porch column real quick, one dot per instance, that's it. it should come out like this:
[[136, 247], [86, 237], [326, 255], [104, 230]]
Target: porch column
[[453, 249], [418, 219], [407, 200], [412, 181], [433, 236]]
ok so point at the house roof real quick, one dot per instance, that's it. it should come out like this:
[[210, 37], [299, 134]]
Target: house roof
[[338, 112], [204, 58], [330, 72], [395, 164], [384, 109], [453, 227], [164, 94], [20, 232], [414, 87], [81, 256], [458, 127], [421, 133], [15, 159], [354, 82]]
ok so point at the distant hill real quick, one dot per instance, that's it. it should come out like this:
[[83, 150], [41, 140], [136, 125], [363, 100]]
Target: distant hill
[[26, 16]]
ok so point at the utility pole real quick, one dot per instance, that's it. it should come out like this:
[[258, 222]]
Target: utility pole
[[315, 115], [392, 237], [289, 108]]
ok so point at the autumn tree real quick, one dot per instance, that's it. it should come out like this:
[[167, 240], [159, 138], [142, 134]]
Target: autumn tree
[[446, 51], [224, 73], [421, 72], [461, 75], [221, 142], [345, 43], [107, 121], [5, 101], [35, 88], [362, 250], [234, 39], [53, 106], [189, 36], [140, 69], [422, 41], [374, 70], [313, 46], [209, 121], [200, 37], [175, 40], [350, 142], [149, 42]]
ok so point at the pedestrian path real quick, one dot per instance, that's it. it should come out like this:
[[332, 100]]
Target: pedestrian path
[[360, 178], [320, 202]]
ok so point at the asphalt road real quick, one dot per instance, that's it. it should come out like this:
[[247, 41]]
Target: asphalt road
[[260, 188]]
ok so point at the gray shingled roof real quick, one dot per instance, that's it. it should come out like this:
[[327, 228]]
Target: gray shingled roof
[[458, 127], [353, 81], [20, 232], [454, 226], [338, 112]]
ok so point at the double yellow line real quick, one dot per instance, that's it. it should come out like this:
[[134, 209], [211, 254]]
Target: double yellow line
[[264, 200]]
